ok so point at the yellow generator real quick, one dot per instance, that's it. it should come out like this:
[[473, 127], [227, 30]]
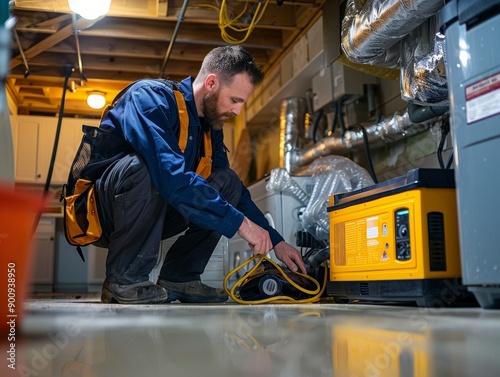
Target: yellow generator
[[397, 241]]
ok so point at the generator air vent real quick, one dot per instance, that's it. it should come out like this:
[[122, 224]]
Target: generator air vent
[[437, 251], [364, 289], [339, 248]]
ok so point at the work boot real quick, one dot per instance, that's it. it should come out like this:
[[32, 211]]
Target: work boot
[[144, 292], [192, 291]]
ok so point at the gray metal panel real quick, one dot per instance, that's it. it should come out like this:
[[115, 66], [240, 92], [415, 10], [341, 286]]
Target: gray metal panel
[[472, 57]]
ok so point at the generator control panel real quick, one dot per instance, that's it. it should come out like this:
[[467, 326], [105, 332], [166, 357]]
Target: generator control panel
[[403, 249]]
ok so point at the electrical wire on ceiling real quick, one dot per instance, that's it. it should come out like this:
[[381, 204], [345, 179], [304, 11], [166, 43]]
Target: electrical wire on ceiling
[[225, 22], [236, 23]]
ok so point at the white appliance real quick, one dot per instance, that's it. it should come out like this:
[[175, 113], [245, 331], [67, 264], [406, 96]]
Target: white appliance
[[213, 274], [282, 210]]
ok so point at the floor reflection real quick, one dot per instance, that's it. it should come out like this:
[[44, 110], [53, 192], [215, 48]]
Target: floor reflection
[[84, 338]]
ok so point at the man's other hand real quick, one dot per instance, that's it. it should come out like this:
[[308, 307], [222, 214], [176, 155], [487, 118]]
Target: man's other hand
[[290, 256]]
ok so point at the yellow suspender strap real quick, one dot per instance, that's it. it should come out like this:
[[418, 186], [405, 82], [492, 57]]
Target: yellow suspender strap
[[207, 140], [205, 165], [184, 120]]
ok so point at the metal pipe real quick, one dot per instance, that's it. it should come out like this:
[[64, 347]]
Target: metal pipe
[[293, 111], [21, 51], [180, 19], [384, 132], [67, 70], [78, 51]]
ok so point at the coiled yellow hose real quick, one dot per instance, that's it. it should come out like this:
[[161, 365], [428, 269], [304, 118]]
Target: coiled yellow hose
[[316, 294]]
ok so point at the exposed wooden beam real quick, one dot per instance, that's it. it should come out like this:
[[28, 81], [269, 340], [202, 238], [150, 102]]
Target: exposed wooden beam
[[123, 76], [189, 33], [117, 47], [48, 42]]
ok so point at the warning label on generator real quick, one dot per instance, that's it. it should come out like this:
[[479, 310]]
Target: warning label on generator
[[483, 98]]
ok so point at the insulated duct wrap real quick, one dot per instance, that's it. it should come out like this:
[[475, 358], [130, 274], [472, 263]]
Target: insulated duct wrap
[[384, 132], [332, 175], [280, 180], [370, 33], [292, 126], [423, 75]]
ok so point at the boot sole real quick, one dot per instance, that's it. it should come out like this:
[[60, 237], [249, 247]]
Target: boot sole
[[174, 295], [108, 297]]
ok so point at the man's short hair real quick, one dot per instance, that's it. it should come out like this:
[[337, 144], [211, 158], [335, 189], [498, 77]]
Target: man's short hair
[[228, 61]]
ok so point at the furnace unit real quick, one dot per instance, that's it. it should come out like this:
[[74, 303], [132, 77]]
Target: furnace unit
[[473, 74]]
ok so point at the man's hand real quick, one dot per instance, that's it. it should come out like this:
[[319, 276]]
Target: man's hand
[[258, 238], [259, 241], [290, 256]]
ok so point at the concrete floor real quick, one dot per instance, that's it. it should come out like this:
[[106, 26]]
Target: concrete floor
[[73, 335]]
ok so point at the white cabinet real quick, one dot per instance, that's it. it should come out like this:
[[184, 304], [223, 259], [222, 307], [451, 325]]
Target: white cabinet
[[35, 142], [42, 269], [26, 151]]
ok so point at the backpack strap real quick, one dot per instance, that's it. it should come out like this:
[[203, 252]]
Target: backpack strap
[[116, 99], [171, 84], [204, 167]]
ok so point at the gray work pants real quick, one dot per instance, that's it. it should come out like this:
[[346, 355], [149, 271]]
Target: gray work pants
[[135, 218]]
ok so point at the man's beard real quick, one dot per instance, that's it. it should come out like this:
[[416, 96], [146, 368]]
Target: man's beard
[[212, 116]]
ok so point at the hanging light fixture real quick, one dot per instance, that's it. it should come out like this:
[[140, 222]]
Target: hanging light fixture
[[90, 9], [96, 100]]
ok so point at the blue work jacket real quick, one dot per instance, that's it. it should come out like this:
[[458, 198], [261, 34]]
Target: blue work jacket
[[147, 116]]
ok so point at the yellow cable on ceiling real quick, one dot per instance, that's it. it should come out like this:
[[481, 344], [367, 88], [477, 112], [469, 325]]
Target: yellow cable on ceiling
[[226, 23]]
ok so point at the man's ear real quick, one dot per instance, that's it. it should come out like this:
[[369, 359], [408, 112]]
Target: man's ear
[[211, 82]]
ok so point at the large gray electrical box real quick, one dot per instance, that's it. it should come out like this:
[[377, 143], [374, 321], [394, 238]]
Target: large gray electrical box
[[338, 81], [322, 86], [348, 82], [473, 73]]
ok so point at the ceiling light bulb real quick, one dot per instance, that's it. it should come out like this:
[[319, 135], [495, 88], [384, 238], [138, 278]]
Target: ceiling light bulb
[[90, 9], [96, 100]]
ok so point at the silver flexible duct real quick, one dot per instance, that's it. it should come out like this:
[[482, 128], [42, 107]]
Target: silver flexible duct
[[370, 34], [386, 131], [292, 118], [423, 76], [280, 180]]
